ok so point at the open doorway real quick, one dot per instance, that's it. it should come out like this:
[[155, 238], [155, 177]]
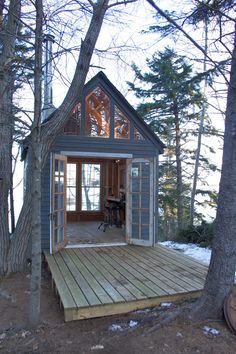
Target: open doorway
[[96, 199]]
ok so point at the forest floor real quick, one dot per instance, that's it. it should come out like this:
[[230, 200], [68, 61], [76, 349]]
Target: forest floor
[[124, 334]]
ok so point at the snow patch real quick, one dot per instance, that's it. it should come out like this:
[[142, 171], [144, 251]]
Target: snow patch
[[3, 336], [115, 327], [209, 330], [166, 304], [199, 253], [133, 324], [124, 326], [24, 334], [97, 347], [179, 334], [142, 311]]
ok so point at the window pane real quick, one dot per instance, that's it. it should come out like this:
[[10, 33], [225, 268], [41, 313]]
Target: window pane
[[138, 135], [90, 187], [71, 174], [145, 232], [135, 216], [56, 202], [97, 114], [121, 125], [71, 187], [56, 184], [61, 234], [145, 170], [90, 199], [135, 231], [55, 235], [71, 199]]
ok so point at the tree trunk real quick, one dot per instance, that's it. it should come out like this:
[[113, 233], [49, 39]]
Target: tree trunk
[[179, 186], [5, 173], [51, 128], [8, 39], [220, 277], [16, 257], [12, 208], [35, 279], [200, 132]]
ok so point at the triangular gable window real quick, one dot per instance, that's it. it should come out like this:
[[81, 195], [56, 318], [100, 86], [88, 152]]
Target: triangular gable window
[[100, 117], [97, 114], [121, 125]]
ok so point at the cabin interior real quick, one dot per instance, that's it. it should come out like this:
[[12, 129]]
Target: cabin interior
[[95, 202]]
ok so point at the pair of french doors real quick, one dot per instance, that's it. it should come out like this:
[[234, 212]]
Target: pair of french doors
[[140, 202]]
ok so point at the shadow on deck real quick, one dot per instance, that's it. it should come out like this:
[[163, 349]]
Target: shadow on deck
[[102, 281]]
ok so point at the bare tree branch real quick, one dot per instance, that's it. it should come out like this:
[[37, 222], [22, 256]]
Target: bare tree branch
[[125, 2], [174, 23]]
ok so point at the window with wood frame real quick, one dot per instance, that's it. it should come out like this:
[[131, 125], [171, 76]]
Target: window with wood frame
[[71, 187], [91, 186], [138, 135], [98, 119], [97, 114], [121, 125]]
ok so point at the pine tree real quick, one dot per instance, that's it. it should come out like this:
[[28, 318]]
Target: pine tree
[[173, 102]]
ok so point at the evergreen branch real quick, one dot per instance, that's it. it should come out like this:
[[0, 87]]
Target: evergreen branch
[[174, 23]]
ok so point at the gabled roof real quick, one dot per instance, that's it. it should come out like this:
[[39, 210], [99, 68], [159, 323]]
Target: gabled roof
[[102, 80]]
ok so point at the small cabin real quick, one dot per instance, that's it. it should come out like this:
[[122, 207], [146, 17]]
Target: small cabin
[[100, 182]]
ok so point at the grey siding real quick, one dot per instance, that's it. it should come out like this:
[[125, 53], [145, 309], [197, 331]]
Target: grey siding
[[83, 144]]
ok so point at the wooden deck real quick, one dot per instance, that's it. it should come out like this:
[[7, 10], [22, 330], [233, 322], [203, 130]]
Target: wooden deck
[[101, 281]]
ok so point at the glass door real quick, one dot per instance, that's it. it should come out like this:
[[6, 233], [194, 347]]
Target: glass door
[[58, 203], [140, 208]]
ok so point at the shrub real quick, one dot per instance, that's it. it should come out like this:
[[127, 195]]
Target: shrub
[[201, 235]]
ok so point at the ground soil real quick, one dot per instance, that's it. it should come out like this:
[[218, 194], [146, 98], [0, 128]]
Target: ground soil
[[53, 335]]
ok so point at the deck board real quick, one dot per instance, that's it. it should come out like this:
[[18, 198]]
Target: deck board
[[84, 285], [108, 274], [100, 281], [106, 285], [159, 276], [131, 274], [91, 278], [63, 290], [177, 272]]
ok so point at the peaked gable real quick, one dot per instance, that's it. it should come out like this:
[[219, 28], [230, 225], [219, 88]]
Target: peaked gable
[[105, 113]]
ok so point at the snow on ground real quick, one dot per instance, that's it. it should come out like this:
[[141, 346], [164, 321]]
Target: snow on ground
[[199, 253], [209, 330], [115, 327], [166, 304]]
